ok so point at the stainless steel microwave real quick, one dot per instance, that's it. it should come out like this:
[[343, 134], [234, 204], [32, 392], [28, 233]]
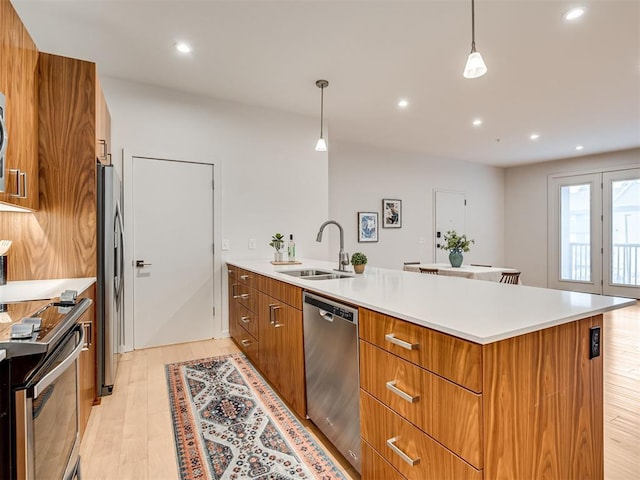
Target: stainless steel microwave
[[3, 145]]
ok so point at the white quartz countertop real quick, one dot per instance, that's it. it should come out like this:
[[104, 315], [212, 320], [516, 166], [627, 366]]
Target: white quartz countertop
[[28, 290], [482, 312], [3, 355]]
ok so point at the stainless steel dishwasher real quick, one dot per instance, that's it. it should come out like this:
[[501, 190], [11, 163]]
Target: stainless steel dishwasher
[[332, 372]]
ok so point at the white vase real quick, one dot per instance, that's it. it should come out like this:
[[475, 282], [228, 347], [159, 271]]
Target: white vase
[[279, 257]]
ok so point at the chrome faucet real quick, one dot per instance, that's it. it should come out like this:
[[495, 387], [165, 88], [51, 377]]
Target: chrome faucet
[[343, 257]]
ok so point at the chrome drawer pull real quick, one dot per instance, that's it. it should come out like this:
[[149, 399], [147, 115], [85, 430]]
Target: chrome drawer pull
[[392, 445], [391, 337], [391, 385], [244, 277], [245, 319], [245, 343]]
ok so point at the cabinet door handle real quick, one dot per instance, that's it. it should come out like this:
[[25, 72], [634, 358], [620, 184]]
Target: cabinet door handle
[[392, 445], [391, 385], [23, 177], [272, 314], [245, 277], [391, 337], [245, 319], [87, 326], [244, 296], [17, 184], [245, 343]]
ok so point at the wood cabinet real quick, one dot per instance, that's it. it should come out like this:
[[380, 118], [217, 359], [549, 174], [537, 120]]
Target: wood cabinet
[[103, 126], [265, 320], [525, 407], [88, 361], [18, 83]]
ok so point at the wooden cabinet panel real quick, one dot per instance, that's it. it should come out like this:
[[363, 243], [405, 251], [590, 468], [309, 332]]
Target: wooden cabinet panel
[[247, 297], [248, 345], [433, 395], [248, 321], [234, 328], [458, 360], [432, 460], [103, 126], [284, 292], [374, 467], [18, 82], [282, 350], [250, 279], [543, 405]]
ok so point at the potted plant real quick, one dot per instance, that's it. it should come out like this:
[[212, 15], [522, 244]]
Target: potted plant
[[358, 260], [456, 245], [277, 242]]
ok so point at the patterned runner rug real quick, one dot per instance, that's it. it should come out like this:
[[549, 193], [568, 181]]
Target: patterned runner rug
[[229, 424]]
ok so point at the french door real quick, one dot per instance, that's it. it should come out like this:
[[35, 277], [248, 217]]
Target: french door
[[594, 233]]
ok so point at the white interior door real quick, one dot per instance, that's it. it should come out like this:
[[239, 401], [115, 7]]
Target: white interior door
[[449, 214], [173, 246], [621, 207]]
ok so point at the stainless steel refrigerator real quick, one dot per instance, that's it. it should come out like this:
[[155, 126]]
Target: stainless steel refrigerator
[[110, 291]]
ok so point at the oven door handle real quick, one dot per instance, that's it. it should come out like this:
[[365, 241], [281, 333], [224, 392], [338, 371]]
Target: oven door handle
[[50, 377]]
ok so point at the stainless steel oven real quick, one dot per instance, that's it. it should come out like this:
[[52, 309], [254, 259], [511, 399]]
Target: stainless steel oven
[[39, 389], [47, 415]]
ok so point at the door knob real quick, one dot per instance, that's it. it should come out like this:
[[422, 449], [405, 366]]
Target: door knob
[[140, 264]]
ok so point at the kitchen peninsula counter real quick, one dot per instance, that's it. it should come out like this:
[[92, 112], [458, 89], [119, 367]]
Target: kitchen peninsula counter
[[481, 312], [28, 290]]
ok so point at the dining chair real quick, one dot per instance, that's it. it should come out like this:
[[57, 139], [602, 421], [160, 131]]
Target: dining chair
[[479, 265], [512, 278], [429, 271]]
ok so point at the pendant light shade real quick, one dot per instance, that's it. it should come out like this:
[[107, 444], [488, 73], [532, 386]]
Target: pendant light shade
[[321, 145], [475, 66]]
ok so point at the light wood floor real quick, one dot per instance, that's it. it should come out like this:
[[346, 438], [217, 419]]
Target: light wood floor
[[129, 436]]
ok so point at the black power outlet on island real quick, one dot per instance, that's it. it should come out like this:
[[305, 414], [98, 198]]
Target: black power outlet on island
[[594, 342]]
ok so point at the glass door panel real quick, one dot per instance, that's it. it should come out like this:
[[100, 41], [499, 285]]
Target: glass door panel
[[621, 209], [575, 239]]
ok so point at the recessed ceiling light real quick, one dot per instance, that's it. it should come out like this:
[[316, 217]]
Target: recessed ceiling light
[[403, 103], [477, 122], [579, 147], [573, 13], [534, 136], [183, 47]]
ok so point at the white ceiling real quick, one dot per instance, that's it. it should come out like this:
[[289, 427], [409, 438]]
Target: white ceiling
[[573, 83]]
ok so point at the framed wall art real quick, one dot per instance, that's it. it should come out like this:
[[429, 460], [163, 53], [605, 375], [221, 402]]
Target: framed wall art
[[391, 213], [367, 226]]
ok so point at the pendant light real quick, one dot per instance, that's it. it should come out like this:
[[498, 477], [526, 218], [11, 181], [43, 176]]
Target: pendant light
[[475, 66], [321, 146]]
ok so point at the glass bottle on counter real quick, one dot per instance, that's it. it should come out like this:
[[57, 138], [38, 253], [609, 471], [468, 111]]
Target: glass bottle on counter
[[291, 249]]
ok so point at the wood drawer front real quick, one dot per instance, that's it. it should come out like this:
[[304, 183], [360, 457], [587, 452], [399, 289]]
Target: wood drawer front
[[282, 291], [247, 297], [374, 467], [248, 321], [461, 432], [245, 277], [453, 358], [375, 326], [248, 345], [377, 367], [379, 425]]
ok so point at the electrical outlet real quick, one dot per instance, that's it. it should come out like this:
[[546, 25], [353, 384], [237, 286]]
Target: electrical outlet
[[594, 342], [252, 244], [225, 244]]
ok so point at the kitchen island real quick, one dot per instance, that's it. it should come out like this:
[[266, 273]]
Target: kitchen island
[[497, 379]]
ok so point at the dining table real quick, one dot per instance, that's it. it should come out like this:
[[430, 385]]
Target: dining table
[[476, 272]]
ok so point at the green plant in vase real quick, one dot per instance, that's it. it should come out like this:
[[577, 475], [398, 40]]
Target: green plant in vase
[[456, 245], [358, 260], [277, 242]]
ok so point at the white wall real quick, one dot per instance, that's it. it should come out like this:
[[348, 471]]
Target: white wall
[[526, 208], [360, 177], [268, 176]]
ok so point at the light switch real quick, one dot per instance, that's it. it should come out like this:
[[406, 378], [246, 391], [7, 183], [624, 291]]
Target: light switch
[[225, 244], [252, 244]]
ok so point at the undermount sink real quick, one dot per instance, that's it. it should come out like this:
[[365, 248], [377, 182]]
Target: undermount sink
[[313, 274]]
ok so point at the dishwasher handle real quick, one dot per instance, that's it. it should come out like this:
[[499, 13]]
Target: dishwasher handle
[[326, 315]]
